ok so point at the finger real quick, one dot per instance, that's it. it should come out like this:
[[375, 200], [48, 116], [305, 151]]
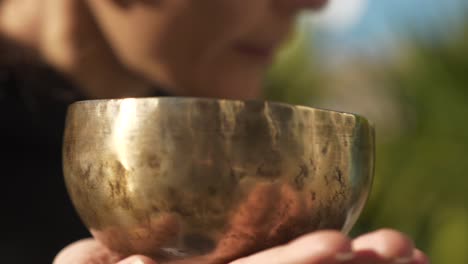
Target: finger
[[84, 252], [368, 257], [319, 247], [137, 260], [419, 257], [385, 244]]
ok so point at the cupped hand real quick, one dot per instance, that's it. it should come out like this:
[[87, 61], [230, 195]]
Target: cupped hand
[[381, 247]]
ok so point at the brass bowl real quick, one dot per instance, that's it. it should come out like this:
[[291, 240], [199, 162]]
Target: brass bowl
[[213, 180]]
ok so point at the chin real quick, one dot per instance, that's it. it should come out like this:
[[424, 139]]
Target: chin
[[248, 92], [236, 83], [239, 88]]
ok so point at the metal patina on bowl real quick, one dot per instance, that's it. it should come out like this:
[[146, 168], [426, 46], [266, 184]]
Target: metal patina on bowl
[[213, 180]]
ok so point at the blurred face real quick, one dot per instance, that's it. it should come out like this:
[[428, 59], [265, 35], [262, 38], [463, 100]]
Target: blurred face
[[212, 48]]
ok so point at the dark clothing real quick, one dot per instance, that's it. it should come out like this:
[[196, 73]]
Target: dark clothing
[[38, 218]]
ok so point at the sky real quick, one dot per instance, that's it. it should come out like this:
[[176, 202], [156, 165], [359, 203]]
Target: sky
[[375, 26]]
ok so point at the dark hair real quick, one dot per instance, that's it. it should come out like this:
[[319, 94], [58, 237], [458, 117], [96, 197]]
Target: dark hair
[[27, 80]]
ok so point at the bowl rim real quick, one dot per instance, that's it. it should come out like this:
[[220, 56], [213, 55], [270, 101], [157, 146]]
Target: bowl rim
[[231, 101]]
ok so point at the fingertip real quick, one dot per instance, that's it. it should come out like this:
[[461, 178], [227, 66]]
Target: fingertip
[[137, 259], [387, 243], [420, 257]]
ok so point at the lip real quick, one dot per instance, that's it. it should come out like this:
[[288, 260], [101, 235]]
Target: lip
[[262, 53]]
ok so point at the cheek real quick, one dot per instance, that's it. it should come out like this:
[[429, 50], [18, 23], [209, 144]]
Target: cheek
[[178, 38], [132, 32], [199, 31], [141, 38], [196, 44]]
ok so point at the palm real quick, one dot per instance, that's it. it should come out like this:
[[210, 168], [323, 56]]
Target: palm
[[381, 247]]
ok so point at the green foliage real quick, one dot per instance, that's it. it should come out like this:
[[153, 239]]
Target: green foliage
[[292, 78], [424, 173]]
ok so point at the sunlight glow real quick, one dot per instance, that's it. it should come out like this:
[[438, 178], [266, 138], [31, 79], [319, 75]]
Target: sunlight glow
[[339, 15]]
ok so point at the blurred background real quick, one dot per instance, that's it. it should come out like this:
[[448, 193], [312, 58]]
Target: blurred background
[[404, 65]]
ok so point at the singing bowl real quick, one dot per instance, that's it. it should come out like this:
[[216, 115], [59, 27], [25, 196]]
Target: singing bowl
[[213, 180]]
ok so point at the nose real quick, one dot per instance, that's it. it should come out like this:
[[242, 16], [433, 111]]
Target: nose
[[303, 4]]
